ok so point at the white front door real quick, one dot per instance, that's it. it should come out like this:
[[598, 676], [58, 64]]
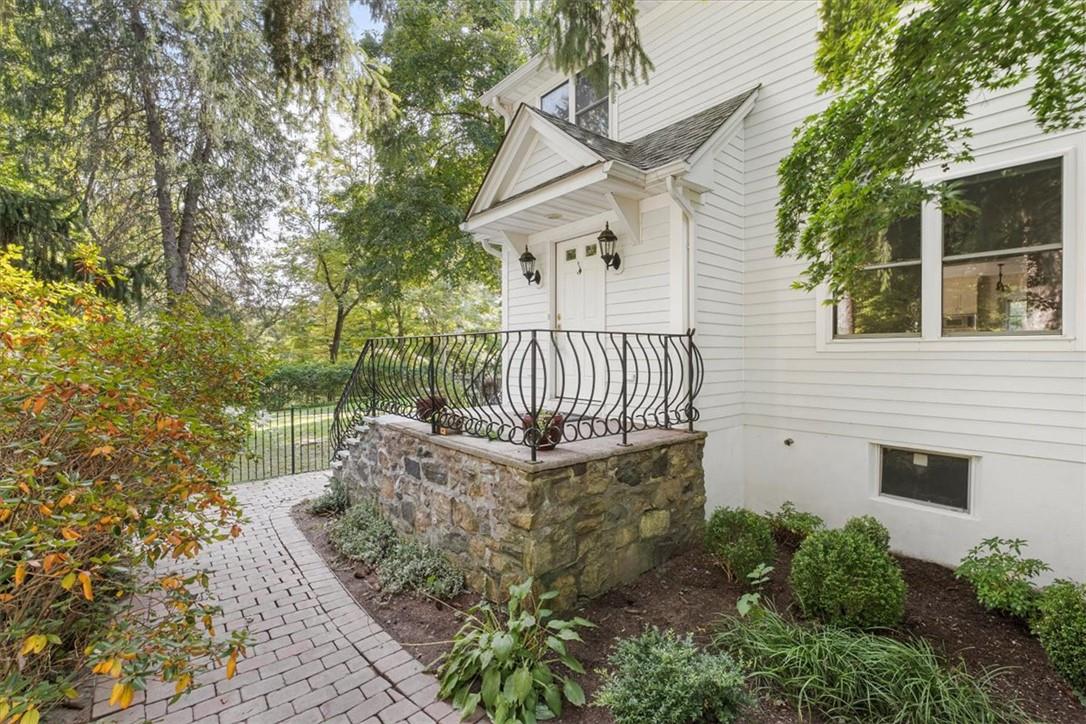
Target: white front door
[[580, 303], [580, 349]]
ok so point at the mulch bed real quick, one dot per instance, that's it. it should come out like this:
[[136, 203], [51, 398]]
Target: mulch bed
[[689, 593]]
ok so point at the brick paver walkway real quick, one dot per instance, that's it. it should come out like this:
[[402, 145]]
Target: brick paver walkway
[[314, 655]]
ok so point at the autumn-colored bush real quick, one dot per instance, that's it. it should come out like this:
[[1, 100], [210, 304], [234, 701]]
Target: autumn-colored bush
[[114, 441]]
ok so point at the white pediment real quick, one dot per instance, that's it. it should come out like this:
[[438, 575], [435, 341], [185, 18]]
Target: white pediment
[[533, 152]]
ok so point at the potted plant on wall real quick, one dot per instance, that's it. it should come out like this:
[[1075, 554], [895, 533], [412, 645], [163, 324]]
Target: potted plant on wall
[[548, 427], [431, 407]]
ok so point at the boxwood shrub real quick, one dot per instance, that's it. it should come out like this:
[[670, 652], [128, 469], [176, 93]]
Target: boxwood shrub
[[842, 578], [1060, 624], [741, 540], [663, 678], [870, 527]]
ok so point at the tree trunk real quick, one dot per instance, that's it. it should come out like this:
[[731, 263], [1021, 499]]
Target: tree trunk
[[337, 333]]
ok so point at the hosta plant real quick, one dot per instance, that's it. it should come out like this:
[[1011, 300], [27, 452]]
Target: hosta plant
[[115, 442], [1001, 577], [505, 662]]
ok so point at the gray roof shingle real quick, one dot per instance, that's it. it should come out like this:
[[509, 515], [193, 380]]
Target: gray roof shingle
[[671, 143]]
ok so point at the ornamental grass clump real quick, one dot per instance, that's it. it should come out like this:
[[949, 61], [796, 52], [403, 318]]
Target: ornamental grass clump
[[503, 661], [1060, 625], [741, 540], [842, 578], [662, 677], [848, 675], [115, 445]]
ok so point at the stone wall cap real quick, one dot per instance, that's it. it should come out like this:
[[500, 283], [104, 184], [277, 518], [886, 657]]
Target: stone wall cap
[[565, 455]]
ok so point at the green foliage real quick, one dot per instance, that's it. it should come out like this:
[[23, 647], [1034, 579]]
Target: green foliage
[[115, 444], [751, 601], [1002, 578], [793, 525], [504, 662], [902, 76], [333, 501], [1060, 625], [846, 675], [304, 383], [411, 566], [661, 677], [870, 527], [363, 534], [842, 578], [740, 539], [580, 34]]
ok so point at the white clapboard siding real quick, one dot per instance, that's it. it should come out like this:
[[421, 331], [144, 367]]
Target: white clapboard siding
[[638, 298], [541, 165]]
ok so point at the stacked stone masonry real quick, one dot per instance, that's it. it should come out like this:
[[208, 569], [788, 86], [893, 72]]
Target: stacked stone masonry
[[580, 528]]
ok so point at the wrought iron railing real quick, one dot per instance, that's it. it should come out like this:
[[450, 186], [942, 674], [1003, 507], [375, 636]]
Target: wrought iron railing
[[533, 387]]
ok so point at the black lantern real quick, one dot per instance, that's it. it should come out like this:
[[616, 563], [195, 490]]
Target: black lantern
[[527, 265], [607, 240]]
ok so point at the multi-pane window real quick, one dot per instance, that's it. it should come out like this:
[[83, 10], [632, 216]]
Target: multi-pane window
[[556, 102], [1003, 256], [925, 477], [1001, 266], [590, 109], [592, 99], [886, 297]]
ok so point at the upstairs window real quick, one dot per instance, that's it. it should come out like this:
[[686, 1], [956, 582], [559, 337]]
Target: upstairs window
[[592, 100], [1003, 256], [589, 109], [886, 298], [556, 102]]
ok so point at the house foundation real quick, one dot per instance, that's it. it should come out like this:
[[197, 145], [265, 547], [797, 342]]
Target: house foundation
[[589, 516]]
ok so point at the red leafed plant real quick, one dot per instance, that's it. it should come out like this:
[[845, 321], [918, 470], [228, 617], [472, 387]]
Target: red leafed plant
[[115, 438]]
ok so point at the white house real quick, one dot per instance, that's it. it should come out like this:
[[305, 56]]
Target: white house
[[952, 406]]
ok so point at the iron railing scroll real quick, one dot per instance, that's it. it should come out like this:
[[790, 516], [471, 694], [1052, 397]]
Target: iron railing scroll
[[532, 387]]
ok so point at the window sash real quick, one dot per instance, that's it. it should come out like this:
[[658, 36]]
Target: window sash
[[1017, 251]]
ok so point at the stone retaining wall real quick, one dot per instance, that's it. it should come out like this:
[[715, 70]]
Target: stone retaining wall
[[581, 527]]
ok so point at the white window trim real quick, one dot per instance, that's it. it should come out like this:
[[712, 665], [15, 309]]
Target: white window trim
[[571, 87], [971, 493], [1071, 149]]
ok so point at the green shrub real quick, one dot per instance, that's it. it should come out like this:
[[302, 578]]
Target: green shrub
[[660, 677], [741, 540], [847, 675], [304, 383], [1001, 577], [333, 500], [870, 527], [413, 566], [1060, 625], [504, 662], [363, 534], [792, 525], [842, 578]]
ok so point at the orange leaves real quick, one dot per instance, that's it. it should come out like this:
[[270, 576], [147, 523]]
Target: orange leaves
[[35, 404], [121, 695], [103, 451], [85, 581], [183, 684], [235, 530], [20, 573], [171, 583], [232, 665], [52, 560]]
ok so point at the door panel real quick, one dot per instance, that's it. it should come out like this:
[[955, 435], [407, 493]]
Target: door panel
[[580, 360]]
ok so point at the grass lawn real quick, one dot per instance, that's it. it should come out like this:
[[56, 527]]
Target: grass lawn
[[285, 442]]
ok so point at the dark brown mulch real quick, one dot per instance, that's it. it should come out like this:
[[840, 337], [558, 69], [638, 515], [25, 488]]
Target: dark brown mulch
[[689, 593]]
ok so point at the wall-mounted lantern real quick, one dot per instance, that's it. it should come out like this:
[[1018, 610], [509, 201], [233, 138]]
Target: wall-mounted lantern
[[607, 240], [527, 266]]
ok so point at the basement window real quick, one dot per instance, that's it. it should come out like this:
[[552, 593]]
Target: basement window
[[925, 477]]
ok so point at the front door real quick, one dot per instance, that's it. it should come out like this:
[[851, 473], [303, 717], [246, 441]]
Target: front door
[[580, 348]]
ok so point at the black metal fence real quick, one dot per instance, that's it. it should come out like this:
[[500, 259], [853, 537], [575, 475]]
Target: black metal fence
[[535, 387], [285, 442]]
